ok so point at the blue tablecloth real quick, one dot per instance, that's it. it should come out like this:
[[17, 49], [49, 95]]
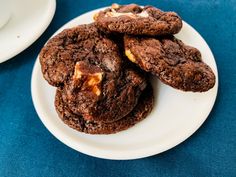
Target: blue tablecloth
[[28, 149]]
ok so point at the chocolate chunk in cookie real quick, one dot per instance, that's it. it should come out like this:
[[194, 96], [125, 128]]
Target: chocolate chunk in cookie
[[175, 63], [133, 19], [89, 66], [99, 95], [82, 43], [141, 110]]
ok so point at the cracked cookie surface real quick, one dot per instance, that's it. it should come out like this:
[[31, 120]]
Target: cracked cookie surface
[[82, 43], [136, 20], [175, 63], [75, 121], [89, 66], [102, 96]]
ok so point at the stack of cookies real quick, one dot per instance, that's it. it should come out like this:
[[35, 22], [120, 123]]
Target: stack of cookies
[[101, 69]]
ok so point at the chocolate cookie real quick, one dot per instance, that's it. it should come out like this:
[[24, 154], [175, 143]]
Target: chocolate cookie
[[82, 43], [133, 19], [88, 64], [175, 63], [142, 109], [99, 95]]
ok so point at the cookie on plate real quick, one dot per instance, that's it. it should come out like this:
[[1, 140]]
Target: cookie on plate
[[82, 43], [136, 20], [141, 110], [175, 63], [89, 65], [98, 95]]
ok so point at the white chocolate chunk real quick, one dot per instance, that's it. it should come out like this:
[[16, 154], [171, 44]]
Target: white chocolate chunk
[[95, 79], [115, 6], [77, 73], [92, 80], [130, 55], [113, 13]]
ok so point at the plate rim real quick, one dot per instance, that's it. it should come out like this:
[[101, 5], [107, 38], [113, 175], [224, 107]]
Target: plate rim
[[107, 154], [38, 33]]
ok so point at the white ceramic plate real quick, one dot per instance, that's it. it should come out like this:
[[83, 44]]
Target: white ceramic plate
[[175, 117], [29, 19]]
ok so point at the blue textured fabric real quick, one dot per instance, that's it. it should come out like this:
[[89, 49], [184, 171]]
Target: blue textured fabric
[[28, 149]]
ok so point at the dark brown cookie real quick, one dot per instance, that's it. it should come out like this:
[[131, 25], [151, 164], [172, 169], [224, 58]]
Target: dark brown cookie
[[175, 63], [88, 65], [101, 96], [133, 19], [142, 109], [82, 43]]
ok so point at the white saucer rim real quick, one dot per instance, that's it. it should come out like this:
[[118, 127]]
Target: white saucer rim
[[109, 155], [29, 42]]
